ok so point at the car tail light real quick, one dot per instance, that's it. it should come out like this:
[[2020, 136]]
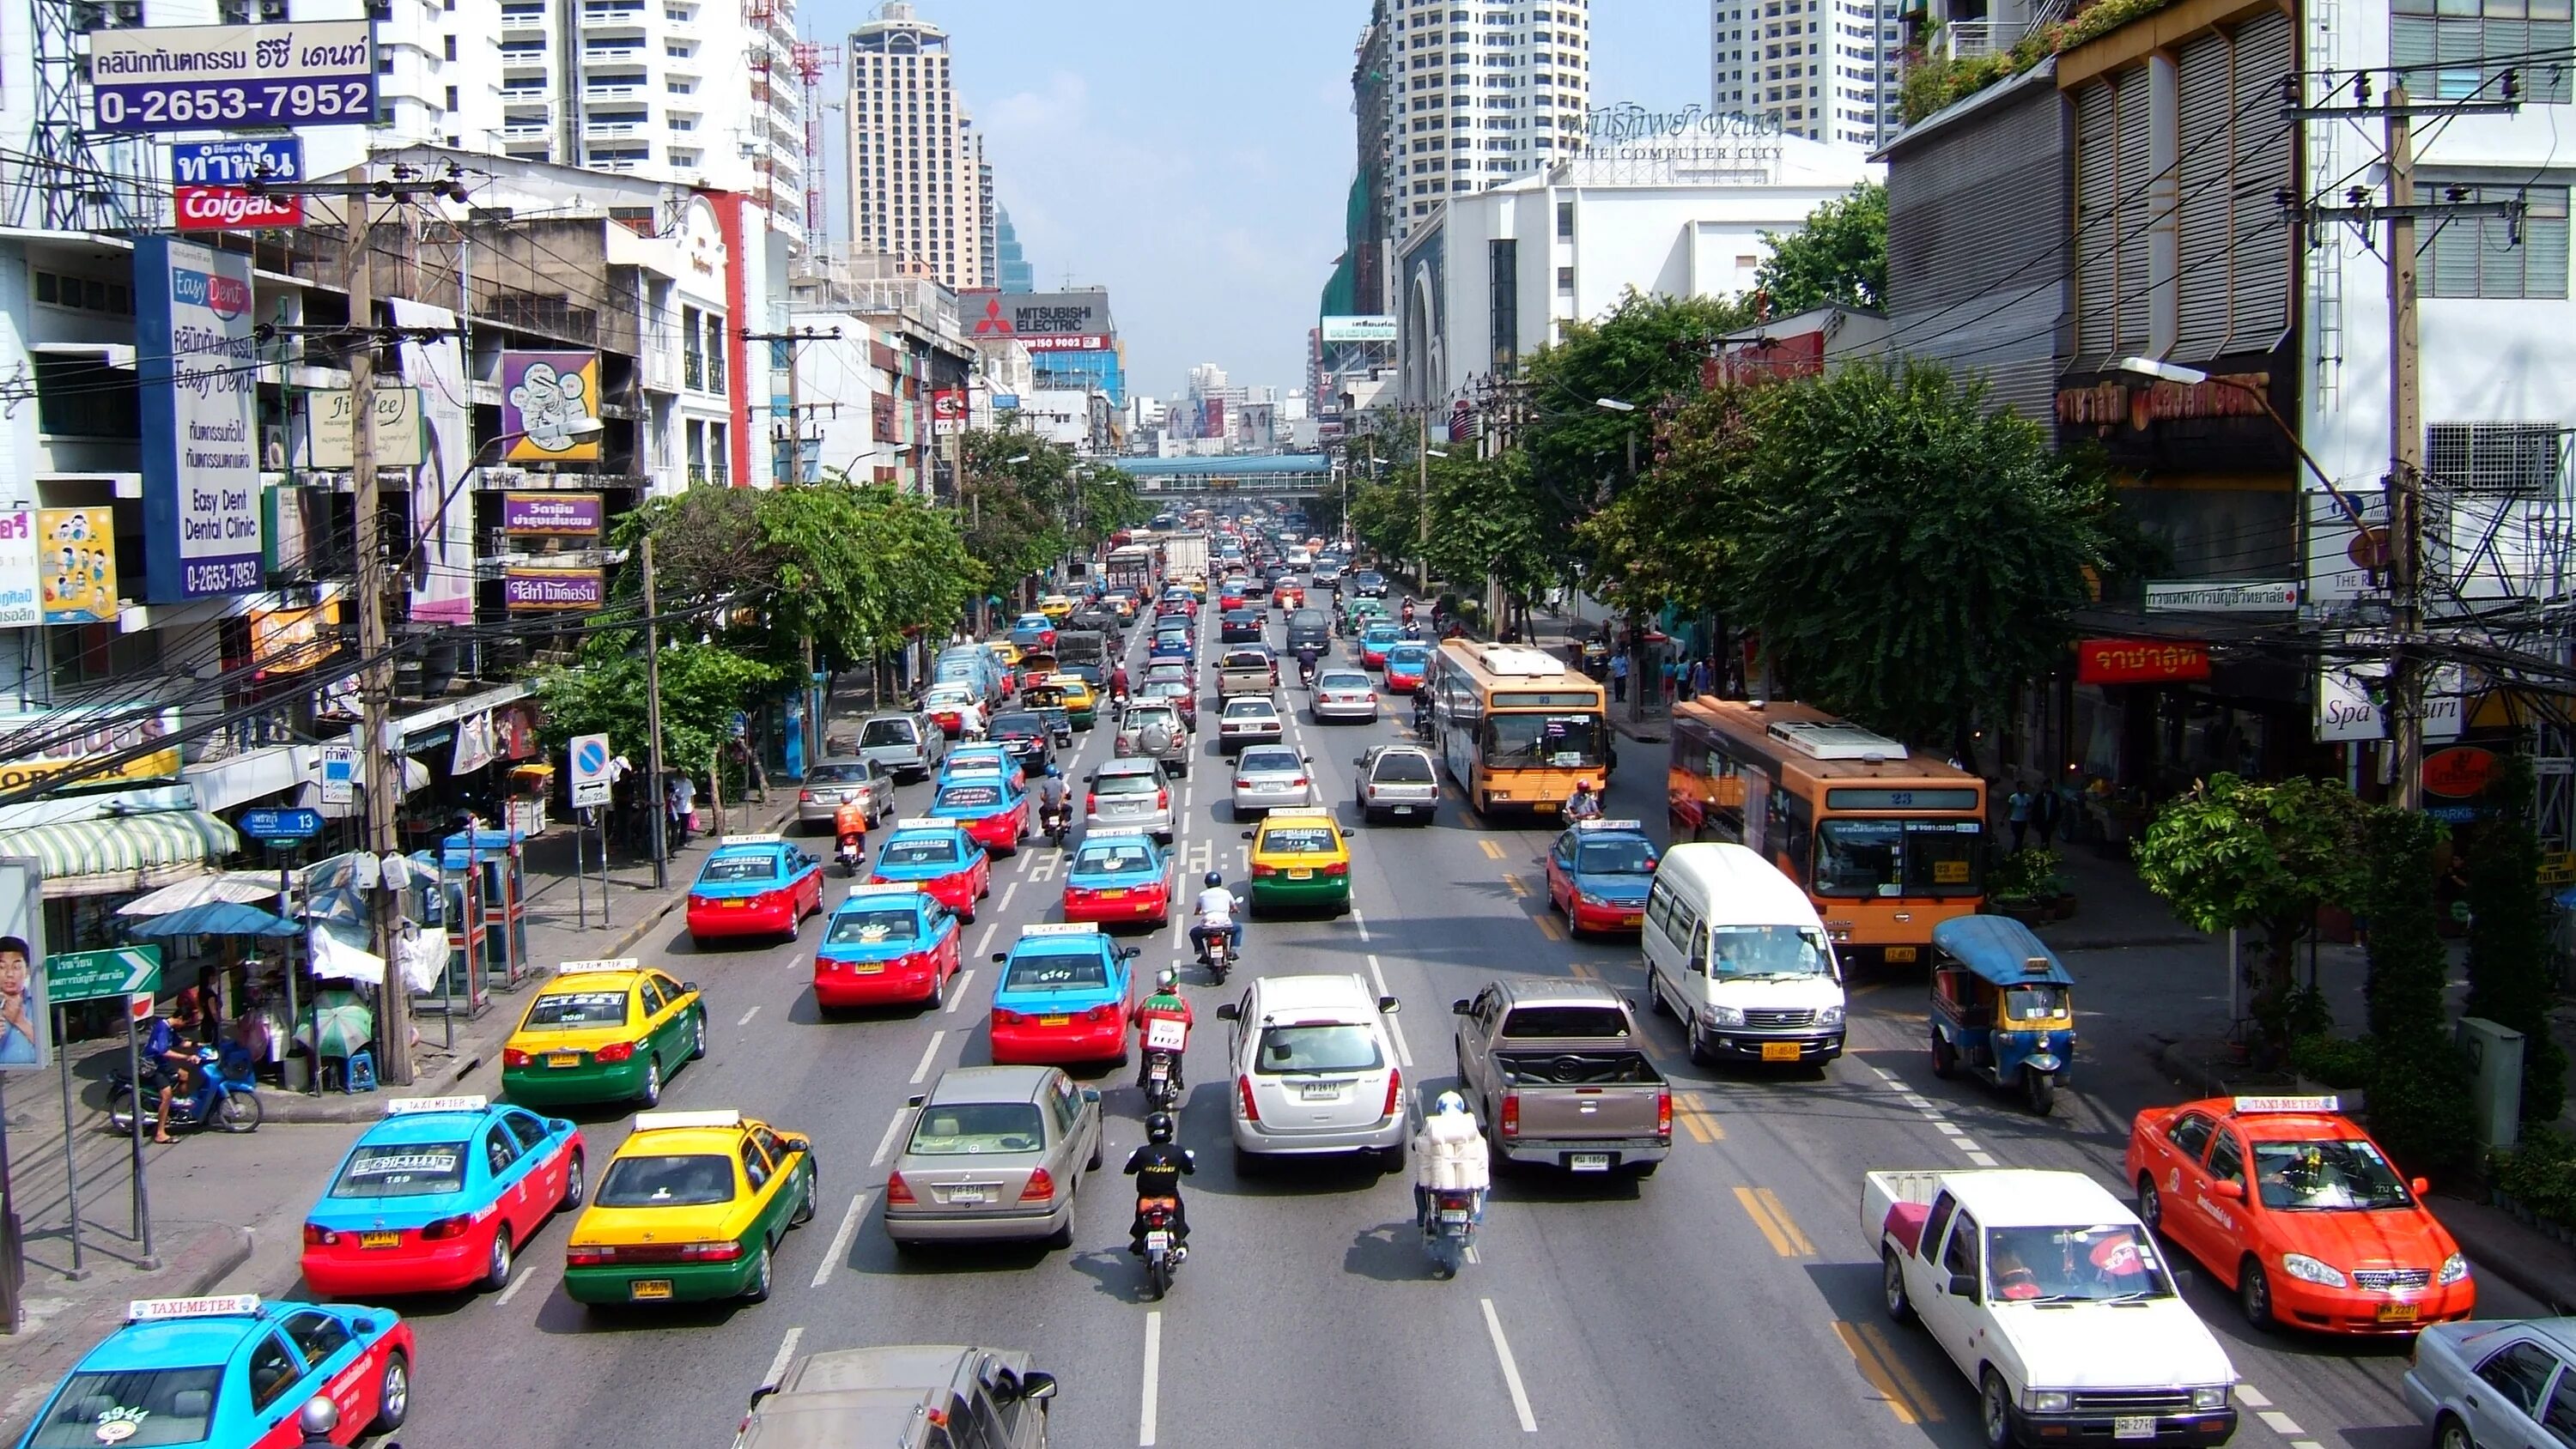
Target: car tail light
[[1298, 784], [1511, 1121], [1338, 867], [445, 1228], [513, 1057], [1251, 1108], [1107, 1011], [898, 1190], [1090, 802], [1394, 1089], [1041, 1187], [580, 1257], [807, 796], [1663, 1114], [1004, 1016], [318, 1236], [1163, 798], [1259, 870], [616, 1051]]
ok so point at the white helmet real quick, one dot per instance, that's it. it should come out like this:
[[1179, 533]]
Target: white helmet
[[319, 1416], [1449, 1103]]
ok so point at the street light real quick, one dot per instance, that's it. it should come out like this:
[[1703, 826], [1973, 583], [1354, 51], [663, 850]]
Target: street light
[[1636, 621], [2159, 370], [1613, 404]]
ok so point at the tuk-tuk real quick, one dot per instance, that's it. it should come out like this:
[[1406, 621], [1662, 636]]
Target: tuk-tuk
[[2002, 1007], [1036, 664], [1047, 702]]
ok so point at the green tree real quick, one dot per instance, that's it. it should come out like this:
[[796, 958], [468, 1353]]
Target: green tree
[[1670, 538], [1839, 255], [1014, 495], [2418, 1082], [702, 685], [2262, 858], [2510, 980], [1485, 522]]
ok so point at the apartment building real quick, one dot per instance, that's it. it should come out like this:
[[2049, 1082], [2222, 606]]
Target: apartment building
[[918, 187], [1481, 94], [1828, 70]]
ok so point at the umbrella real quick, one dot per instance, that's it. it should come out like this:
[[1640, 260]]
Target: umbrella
[[246, 887], [342, 1025], [216, 918]]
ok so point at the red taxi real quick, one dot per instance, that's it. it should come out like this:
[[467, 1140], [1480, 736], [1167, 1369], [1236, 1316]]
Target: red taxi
[[988, 805], [938, 858], [1287, 594], [754, 885], [1118, 876]]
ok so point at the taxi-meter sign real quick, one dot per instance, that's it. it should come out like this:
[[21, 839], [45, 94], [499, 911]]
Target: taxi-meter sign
[[590, 779]]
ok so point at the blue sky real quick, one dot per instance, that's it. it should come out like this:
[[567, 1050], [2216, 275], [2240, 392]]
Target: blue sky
[[1193, 155]]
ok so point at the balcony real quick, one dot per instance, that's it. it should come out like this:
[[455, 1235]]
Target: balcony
[[525, 131], [610, 130], [615, 88], [612, 17], [1969, 39], [523, 20], [630, 54]]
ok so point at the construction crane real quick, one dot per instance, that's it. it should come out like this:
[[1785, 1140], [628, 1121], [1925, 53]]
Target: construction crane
[[811, 59]]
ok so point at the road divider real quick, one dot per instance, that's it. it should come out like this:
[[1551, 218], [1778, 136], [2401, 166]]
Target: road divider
[[929, 1054], [957, 991], [885, 1144], [1492, 850], [1691, 1110], [1764, 1207], [1153, 1378], [1547, 927], [1886, 1373]]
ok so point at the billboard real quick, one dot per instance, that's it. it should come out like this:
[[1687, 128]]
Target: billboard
[[202, 522], [947, 412], [537, 591], [284, 641], [233, 77], [395, 430], [542, 395], [1025, 315], [72, 743], [21, 600], [442, 514], [1359, 329], [552, 514], [26, 1042], [76, 564], [210, 183]]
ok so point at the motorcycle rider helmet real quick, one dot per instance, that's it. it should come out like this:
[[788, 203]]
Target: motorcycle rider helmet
[[1448, 1103], [1170, 980], [1213, 879], [1052, 771], [1158, 1127], [319, 1417]]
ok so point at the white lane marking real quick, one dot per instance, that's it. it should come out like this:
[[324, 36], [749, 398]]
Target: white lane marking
[[957, 996], [2305, 1444], [1153, 1377], [745, 1019], [1962, 1143], [1947, 1129], [513, 1290], [885, 1144], [1362, 922], [786, 1356], [1511, 1370], [1378, 974], [985, 941], [928, 1053], [1982, 1159], [1009, 891], [2254, 1398], [849, 1229], [2281, 1424], [1403, 1052]]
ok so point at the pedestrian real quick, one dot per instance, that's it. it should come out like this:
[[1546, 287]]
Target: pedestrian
[[2044, 815], [1619, 675], [1698, 677], [683, 793], [2017, 814]]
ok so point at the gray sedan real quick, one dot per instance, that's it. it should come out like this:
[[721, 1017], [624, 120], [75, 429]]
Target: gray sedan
[[2496, 1384], [995, 1153], [830, 784], [1345, 694], [1270, 777]]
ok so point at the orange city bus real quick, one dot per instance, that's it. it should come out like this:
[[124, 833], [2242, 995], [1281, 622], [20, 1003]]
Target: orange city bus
[[1887, 842], [1516, 726]]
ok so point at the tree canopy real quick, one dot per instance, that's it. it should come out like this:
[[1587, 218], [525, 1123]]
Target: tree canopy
[[1839, 255]]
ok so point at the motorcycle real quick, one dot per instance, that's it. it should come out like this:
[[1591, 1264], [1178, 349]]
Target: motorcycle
[[1057, 821], [1220, 955], [1450, 1232], [850, 851], [1162, 1081], [1163, 1252], [226, 1096]]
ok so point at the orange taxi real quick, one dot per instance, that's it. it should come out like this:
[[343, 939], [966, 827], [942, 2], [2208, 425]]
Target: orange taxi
[[2288, 1202]]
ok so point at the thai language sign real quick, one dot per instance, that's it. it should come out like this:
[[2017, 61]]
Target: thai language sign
[[2217, 596], [74, 735], [2139, 661], [1358, 329], [541, 590], [201, 505], [568, 514], [211, 183], [21, 602], [543, 396], [222, 77]]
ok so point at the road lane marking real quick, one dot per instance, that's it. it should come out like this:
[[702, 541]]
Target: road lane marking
[[1949, 1129], [1511, 1370], [1584, 970], [1378, 974], [1518, 887], [928, 1051], [745, 1019], [2281, 1424], [1982, 1159], [513, 1290], [1362, 923], [2254, 1398], [1492, 851], [1547, 927], [1045, 870], [786, 1356], [1690, 1124], [1153, 1377], [985, 941], [1009, 891], [1915, 1393], [957, 997], [841, 1239], [1696, 1117], [1881, 1376], [885, 1144], [1403, 1052], [1763, 1206]]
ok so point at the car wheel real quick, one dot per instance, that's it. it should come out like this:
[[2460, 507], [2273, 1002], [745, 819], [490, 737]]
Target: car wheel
[[1891, 1287], [805, 1204], [496, 1267], [651, 1096], [1994, 1411], [698, 1037], [1093, 1164], [1700, 1055], [576, 1188], [2450, 1433], [1063, 1236], [2254, 1293], [1655, 997], [393, 1393], [757, 1290], [1945, 1057]]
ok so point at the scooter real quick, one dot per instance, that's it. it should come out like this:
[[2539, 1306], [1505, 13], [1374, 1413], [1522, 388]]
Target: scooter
[[1450, 1232], [850, 852], [1058, 823], [1220, 955], [1162, 1081], [226, 1096], [1163, 1251]]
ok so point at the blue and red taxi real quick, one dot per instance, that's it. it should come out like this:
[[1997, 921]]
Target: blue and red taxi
[[754, 885], [1375, 640], [886, 945], [1406, 665], [940, 858], [1117, 876], [1063, 997], [1598, 873], [231, 1372], [1229, 595], [1034, 633], [440, 1195], [969, 759], [987, 803]]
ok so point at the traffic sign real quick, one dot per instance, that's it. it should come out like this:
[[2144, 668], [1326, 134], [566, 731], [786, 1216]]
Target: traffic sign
[[590, 779], [281, 824], [90, 975]]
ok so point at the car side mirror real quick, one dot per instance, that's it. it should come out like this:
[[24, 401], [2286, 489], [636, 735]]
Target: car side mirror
[[758, 1394], [1962, 1285], [916, 1099], [1130, 953], [2232, 1191], [689, 986], [1247, 835], [1230, 1011], [1001, 956], [1037, 1385], [1461, 1006], [1388, 1004], [362, 1325]]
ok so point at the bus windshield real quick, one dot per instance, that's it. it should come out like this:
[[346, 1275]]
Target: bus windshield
[[1536, 741], [1864, 857]]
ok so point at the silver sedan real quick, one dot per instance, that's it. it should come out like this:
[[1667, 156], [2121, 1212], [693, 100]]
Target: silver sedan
[[1270, 777], [1249, 720], [1345, 694], [995, 1152]]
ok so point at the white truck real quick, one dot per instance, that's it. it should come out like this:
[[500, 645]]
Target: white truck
[[1185, 555], [2054, 1301]]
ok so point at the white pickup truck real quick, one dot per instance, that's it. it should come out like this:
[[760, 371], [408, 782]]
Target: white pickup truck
[[2053, 1300]]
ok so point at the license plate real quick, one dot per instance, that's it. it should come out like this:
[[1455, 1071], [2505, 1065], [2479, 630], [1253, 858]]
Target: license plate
[[1159, 1072], [967, 1197], [1158, 1241], [1054, 1020], [1320, 1091], [2399, 1312], [1900, 953], [643, 1289], [1114, 895], [2133, 1426], [732, 904], [379, 1240], [1453, 1215], [1779, 1051], [1633, 918], [1588, 1162], [1301, 875], [868, 968], [564, 1059], [1403, 809]]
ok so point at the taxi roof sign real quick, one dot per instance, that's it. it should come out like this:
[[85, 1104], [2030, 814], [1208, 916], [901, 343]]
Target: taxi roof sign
[[160, 1310], [650, 1121], [882, 888], [1062, 928], [1609, 824], [407, 1106], [765, 837], [925, 822], [603, 963], [2286, 1104]]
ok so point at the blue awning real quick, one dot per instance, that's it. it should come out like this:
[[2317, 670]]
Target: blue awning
[[117, 854]]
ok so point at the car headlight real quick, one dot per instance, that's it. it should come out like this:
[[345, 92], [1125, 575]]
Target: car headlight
[[2455, 1269], [1721, 1016], [2309, 1270], [2047, 1401], [1829, 1016], [2204, 1400], [1589, 899]]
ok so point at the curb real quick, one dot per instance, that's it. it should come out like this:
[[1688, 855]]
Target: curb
[[244, 1242]]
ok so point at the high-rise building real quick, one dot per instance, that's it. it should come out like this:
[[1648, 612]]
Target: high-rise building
[[1485, 95], [917, 184], [1012, 272], [1828, 70]]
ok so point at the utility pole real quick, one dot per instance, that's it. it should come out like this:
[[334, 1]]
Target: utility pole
[[794, 337], [2405, 469], [1636, 621], [653, 725], [380, 764], [1422, 504]]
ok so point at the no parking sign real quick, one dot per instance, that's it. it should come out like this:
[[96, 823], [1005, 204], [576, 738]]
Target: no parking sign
[[590, 779]]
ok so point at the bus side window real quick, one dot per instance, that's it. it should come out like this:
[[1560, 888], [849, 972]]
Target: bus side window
[[1797, 839], [1659, 908]]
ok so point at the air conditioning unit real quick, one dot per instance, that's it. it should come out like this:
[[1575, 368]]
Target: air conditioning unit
[[1514, 659], [1828, 739]]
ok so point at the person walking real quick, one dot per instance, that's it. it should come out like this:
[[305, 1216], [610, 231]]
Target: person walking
[[683, 800], [2017, 814], [1698, 678], [1619, 676], [2044, 810]]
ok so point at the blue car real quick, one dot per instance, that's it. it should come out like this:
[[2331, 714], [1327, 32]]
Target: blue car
[[1033, 633], [886, 945], [439, 1196], [754, 885], [1064, 997], [988, 804], [231, 1372], [1598, 872], [939, 857], [983, 759], [1171, 644], [1118, 876]]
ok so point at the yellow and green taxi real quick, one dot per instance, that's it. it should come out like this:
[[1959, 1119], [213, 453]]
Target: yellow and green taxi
[[1081, 706], [603, 1031], [1300, 858], [691, 1208], [1058, 607]]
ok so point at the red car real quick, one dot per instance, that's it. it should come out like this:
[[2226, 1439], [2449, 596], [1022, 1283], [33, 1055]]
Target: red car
[[892, 945], [990, 807], [1287, 596], [939, 858], [420, 1202], [754, 885], [1064, 995]]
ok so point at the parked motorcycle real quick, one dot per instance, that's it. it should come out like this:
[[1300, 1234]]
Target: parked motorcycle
[[1162, 1082], [1450, 1232], [1163, 1252], [226, 1096]]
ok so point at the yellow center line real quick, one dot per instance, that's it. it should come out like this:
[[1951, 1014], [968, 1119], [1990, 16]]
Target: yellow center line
[[1518, 887], [1690, 1124], [1547, 927], [1582, 969], [1492, 851], [1788, 1226], [1701, 1123], [1924, 1403], [1876, 1372], [1761, 1215]]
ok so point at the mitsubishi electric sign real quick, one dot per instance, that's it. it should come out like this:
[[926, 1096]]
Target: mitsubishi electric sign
[[1027, 316]]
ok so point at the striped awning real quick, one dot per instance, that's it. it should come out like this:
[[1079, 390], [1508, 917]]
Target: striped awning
[[120, 854]]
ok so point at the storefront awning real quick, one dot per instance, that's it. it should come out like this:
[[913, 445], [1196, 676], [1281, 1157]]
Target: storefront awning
[[121, 854]]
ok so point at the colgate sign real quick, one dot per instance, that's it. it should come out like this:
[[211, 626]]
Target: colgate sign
[[229, 208], [226, 297]]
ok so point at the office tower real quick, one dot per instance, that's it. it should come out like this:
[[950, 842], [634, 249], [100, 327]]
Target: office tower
[[917, 184], [1480, 94], [1828, 70]]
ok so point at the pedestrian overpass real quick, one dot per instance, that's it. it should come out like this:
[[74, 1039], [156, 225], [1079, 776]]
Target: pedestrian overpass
[[1266, 475]]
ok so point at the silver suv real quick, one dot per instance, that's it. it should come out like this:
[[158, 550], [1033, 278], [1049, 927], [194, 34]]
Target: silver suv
[[1129, 794], [911, 745], [1398, 781]]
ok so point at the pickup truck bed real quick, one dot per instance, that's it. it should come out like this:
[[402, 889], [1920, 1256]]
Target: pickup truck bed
[[1586, 1103]]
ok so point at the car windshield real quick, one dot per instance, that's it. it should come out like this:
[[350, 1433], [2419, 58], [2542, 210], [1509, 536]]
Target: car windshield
[[402, 1169], [1877, 857], [1016, 724], [1057, 973], [1343, 679], [886, 732], [2326, 1176], [1251, 708], [1521, 741], [729, 868], [969, 797], [160, 1406], [1269, 761], [1615, 857], [872, 926], [919, 851], [2034, 1001], [1317, 1047], [845, 774], [693, 1180], [965, 1129], [1769, 953], [1401, 767], [1380, 634], [948, 696], [576, 1011], [1119, 856], [2101, 1264], [1407, 657], [1295, 840], [1545, 1021]]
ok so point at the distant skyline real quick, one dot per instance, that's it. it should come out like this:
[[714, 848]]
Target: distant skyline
[[1194, 158]]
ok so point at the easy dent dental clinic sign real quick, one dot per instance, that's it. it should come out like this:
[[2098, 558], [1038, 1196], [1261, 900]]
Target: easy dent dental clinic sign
[[201, 503]]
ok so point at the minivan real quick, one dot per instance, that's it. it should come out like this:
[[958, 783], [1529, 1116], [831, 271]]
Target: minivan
[[1310, 626], [1314, 1070], [1735, 950]]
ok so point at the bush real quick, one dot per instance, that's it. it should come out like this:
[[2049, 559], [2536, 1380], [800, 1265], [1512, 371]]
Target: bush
[[2540, 1174], [2026, 875], [2340, 1062]]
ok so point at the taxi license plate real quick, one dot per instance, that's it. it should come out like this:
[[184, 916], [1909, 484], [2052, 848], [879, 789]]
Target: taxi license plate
[[564, 1059], [647, 1289], [2133, 1426], [379, 1240], [1118, 894], [1779, 1051], [733, 903], [1320, 1091], [1633, 918], [1054, 1020], [2400, 1312], [1301, 874], [867, 968], [1900, 953], [1588, 1162]]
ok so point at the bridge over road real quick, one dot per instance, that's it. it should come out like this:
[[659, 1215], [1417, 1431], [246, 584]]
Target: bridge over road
[[1266, 475]]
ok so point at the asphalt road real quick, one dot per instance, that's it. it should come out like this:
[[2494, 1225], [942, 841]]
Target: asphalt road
[[1730, 1299]]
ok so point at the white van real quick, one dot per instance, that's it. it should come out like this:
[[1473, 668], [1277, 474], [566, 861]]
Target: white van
[[1734, 949]]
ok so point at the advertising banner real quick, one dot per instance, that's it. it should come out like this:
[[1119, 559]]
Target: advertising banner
[[1069, 342], [202, 523], [947, 412], [1039, 314], [21, 601], [2139, 661], [570, 515], [396, 432], [233, 77], [1358, 329], [76, 564], [283, 641], [533, 591], [26, 1039], [2345, 562], [2350, 696], [111, 728], [542, 395], [442, 514], [2215, 596], [210, 183]]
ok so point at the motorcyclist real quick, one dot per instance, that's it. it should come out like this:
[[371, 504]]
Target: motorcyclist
[[1306, 665], [1215, 912], [1052, 796], [1449, 1156], [173, 1059], [1165, 1005], [850, 826], [318, 1420], [1158, 1168], [1422, 712], [1582, 804], [1118, 685]]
